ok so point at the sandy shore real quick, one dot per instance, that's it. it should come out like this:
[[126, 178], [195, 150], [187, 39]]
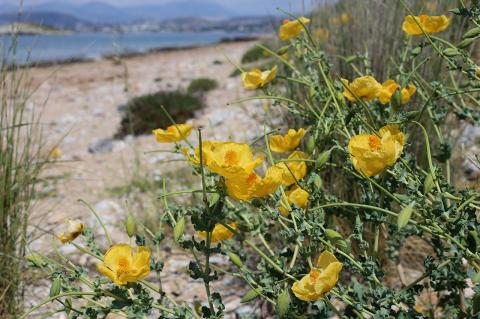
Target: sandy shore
[[80, 105]]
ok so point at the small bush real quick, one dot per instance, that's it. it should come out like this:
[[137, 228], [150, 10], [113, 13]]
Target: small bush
[[201, 85], [145, 113], [253, 54]]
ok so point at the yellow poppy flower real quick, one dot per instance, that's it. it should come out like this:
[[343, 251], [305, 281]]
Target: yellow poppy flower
[[56, 153], [322, 34], [296, 196], [320, 280], [344, 18], [255, 78], [219, 232], [245, 186], [294, 169], [365, 88], [229, 159], [288, 142], [370, 153], [74, 229], [389, 87], [429, 24], [290, 29], [124, 264], [207, 147], [174, 133]]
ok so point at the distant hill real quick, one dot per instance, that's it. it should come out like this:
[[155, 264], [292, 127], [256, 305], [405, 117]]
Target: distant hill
[[181, 9], [102, 13], [50, 19]]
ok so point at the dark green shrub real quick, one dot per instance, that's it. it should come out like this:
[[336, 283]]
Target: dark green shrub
[[144, 113], [201, 85], [253, 54]]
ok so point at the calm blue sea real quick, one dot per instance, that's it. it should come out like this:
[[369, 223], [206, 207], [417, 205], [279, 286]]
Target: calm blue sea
[[40, 48]]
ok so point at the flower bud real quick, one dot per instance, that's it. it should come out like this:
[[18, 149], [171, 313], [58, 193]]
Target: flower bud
[[322, 158], [396, 100], [179, 229], [332, 234], [250, 295], [428, 184], [131, 226], [416, 51], [283, 50], [465, 43], [36, 260], [56, 286], [405, 215], [214, 199], [283, 303], [472, 33], [318, 182], [235, 259], [311, 145], [451, 52]]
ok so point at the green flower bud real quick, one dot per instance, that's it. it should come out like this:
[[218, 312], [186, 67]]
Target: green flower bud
[[350, 59], [332, 234], [250, 295], [322, 158], [214, 198], [428, 184], [283, 50], [405, 215], [455, 11], [416, 51], [235, 259], [36, 260], [311, 145], [396, 100], [56, 287], [283, 303], [131, 226], [451, 52], [465, 43], [179, 229], [318, 182], [472, 33]]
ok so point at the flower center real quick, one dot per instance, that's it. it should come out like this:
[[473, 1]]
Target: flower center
[[123, 265], [314, 274], [286, 21], [374, 142], [251, 179], [231, 158]]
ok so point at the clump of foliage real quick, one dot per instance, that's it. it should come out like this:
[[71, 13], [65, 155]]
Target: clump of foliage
[[368, 172], [22, 159], [256, 53], [145, 113], [201, 85]]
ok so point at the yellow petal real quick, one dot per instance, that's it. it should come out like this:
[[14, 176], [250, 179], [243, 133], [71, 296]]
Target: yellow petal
[[174, 133], [365, 88], [288, 142], [219, 233], [252, 80], [413, 25], [290, 29], [325, 259], [116, 253]]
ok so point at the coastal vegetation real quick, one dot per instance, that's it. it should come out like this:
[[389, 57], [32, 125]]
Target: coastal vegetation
[[345, 201]]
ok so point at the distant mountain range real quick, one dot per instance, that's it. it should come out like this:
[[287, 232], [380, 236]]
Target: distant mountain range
[[102, 13]]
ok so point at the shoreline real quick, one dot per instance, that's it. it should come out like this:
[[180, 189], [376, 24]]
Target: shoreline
[[47, 63]]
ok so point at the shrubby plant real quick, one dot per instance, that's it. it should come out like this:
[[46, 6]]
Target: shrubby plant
[[313, 218]]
